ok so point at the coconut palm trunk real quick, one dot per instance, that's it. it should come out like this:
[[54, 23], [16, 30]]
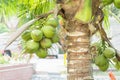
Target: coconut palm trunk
[[79, 57], [77, 42]]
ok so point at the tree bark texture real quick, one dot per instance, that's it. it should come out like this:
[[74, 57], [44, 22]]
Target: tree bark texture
[[79, 57], [77, 43]]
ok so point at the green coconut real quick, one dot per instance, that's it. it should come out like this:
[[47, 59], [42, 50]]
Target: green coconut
[[55, 38], [42, 53], [26, 35], [117, 3], [46, 43], [36, 35], [100, 60], [31, 46], [52, 22], [109, 52], [48, 31]]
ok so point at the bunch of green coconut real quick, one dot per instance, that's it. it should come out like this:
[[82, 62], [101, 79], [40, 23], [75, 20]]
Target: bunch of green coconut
[[39, 39], [104, 56]]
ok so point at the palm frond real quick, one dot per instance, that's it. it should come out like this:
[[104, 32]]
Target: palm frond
[[32, 8], [25, 9], [106, 22]]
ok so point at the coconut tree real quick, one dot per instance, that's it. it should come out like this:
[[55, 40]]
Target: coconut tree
[[77, 39], [79, 27], [83, 18]]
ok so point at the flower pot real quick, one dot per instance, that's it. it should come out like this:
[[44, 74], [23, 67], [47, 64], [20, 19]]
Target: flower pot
[[16, 72]]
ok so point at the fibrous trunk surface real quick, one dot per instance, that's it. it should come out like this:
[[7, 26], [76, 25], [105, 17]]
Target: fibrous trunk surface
[[79, 57], [77, 42]]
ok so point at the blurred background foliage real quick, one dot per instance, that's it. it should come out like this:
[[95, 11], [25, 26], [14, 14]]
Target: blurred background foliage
[[24, 10]]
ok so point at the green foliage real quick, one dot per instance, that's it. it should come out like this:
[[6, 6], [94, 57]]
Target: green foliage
[[8, 7], [114, 10], [85, 14], [3, 28], [106, 22], [110, 10], [29, 9], [3, 60], [25, 9]]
